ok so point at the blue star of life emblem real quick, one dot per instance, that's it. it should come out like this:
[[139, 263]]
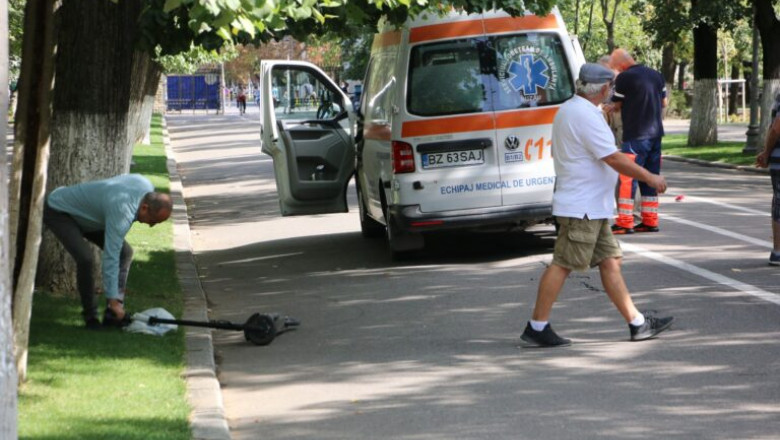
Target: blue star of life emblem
[[528, 74]]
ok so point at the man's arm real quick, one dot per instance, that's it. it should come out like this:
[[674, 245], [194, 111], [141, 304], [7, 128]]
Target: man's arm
[[762, 160], [624, 165], [117, 226]]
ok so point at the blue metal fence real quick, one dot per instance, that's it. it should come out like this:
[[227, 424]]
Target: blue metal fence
[[193, 92]]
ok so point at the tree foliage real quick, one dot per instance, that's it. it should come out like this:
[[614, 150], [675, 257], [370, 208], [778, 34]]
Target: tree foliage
[[593, 32], [174, 26], [15, 32], [188, 62]]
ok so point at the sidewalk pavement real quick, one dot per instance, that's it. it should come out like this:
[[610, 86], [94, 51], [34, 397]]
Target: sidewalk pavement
[[732, 132], [207, 419]]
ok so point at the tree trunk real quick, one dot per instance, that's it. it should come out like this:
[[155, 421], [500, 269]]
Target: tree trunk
[[105, 90], [734, 91], [769, 28], [668, 64], [8, 375], [590, 26], [609, 22], [577, 18], [704, 113], [31, 152], [681, 76]]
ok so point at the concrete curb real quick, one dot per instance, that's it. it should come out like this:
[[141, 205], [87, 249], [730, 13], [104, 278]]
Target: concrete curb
[[747, 168], [207, 419]]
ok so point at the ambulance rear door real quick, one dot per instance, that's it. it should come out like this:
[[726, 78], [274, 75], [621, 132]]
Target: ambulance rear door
[[534, 77], [449, 121]]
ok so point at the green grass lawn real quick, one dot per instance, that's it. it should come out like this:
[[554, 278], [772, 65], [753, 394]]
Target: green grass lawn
[[111, 384], [725, 152]]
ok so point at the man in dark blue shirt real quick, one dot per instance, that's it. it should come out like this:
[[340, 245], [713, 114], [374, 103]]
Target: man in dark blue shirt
[[640, 96]]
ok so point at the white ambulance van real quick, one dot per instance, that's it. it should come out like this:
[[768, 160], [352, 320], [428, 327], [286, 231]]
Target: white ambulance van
[[453, 128]]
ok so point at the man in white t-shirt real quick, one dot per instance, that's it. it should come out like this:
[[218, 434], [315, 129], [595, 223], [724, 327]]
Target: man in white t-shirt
[[587, 164]]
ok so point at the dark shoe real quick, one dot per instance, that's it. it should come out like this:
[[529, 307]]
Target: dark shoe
[[92, 324], [110, 319], [619, 230], [774, 259], [644, 228], [545, 338], [650, 328]]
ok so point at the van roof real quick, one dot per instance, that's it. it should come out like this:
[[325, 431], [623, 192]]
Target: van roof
[[428, 27]]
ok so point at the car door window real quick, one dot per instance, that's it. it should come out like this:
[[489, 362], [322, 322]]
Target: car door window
[[298, 94], [379, 94]]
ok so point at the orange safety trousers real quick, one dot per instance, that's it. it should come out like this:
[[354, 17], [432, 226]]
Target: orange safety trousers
[[626, 193]]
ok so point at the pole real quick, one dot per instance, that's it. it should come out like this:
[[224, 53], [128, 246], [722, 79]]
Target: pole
[[752, 132], [222, 87]]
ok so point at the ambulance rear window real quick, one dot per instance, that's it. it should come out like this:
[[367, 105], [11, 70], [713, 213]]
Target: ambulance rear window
[[488, 74], [530, 70], [445, 79]]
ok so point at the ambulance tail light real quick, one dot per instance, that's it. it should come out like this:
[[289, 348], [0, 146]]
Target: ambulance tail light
[[403, 158]]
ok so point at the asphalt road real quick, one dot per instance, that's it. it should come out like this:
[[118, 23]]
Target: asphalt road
[[429, 348]]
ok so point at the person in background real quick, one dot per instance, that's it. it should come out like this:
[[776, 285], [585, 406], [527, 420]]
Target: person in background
[[102, 212], [241, 101], [586, 165], [770, 157], [613, 117], [640, 96]]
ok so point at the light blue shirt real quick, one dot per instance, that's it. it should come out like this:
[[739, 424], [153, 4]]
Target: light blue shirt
[[109, 205]]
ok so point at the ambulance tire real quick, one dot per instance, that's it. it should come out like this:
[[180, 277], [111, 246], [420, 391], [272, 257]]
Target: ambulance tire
[[401, 244], [369, 227]]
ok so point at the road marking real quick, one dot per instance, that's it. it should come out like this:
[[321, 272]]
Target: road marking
[[723, 204], [704, 273], [717, 230]]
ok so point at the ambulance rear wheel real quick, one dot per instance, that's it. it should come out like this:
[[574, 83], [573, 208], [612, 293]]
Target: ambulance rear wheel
[[369, 227], [401, 244]]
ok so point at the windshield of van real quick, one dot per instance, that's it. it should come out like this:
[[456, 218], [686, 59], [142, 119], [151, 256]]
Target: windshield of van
[[483, 74]]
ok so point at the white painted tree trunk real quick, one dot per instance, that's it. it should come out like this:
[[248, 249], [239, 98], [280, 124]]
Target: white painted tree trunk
[[770, 90], [29, 180], [105, 91], [8, 376], [23, 294], [704, 113]]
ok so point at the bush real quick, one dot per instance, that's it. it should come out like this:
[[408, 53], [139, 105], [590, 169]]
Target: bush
[[678, 105]]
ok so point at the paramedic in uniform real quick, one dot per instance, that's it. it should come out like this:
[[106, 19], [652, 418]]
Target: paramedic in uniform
[[640, 96], [586, 164]]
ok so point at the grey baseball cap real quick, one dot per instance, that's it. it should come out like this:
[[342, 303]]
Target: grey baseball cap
[[592, 73]]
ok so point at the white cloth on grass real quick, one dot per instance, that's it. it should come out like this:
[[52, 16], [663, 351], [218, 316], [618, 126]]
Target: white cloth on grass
[[141, 324]]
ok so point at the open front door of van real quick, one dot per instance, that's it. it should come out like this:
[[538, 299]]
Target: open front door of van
[[307, 128]]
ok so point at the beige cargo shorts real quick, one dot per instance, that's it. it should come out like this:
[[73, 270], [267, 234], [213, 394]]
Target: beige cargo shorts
[[584, 243]]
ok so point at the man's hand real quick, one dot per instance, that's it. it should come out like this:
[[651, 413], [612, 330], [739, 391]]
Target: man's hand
[[621, 163], [762, 159], [117, 307], [658, 183]]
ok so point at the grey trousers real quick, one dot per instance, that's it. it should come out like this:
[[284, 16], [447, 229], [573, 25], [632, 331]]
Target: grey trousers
[[75, 241]]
